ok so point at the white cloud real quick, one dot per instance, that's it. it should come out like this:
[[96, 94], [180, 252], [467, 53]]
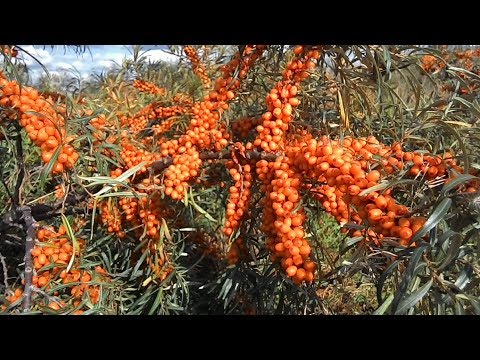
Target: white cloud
[[105, 64], [79, 65], [42, 55], [63, 65], [156, 55], [97, 58]]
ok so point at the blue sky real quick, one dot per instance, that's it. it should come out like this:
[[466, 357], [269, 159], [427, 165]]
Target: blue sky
[[100, 57]]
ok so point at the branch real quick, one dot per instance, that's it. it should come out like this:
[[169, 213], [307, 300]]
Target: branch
[[5, 271], [43, 293], [7, 190], [160, 165], [21, 165], [43, 212], [30, 226]]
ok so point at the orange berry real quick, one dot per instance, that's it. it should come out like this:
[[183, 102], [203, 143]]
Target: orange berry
[[405, 233], [291, 270]]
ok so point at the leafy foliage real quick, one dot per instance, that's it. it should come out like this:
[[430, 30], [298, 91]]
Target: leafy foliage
[[178, 258]]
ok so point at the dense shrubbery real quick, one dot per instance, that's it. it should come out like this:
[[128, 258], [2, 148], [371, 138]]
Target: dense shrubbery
[[244, 180]]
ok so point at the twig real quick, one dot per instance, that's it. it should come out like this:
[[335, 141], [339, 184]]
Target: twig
[[21, 165], [160, 165], [43, 212], [7, 190], [30, 225], [5, 272], [49, 298]]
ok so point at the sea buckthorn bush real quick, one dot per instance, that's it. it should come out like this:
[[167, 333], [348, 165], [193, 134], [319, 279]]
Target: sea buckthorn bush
[[252, 179]]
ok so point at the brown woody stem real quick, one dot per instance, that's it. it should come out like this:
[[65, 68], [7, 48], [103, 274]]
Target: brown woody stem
[[30, 226], [160, 165]]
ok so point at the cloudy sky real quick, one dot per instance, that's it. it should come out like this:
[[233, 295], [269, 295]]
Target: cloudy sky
[[100, 57]]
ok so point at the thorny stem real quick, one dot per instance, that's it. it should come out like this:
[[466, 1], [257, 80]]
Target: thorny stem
[[30, 225], [20, 164], [43, 293], [5, 271]]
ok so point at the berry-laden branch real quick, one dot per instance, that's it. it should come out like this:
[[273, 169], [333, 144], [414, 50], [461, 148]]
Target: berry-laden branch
[[43, 124], [145, 86], [283, 217], [160, 165], [285, 163], [198, 67]]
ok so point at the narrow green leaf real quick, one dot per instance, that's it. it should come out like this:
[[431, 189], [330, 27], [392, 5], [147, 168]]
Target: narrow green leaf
[[409, 273], [200, 210], [459, 310], [385, 185], [451, 130], [72, 237], [157, 302], [464, 277], [437, 215], [384, 307], [383, 278], [47, 169], [348, 243], [457, 181], [121, 179], [413, 298], [473, 300], [453, 250]]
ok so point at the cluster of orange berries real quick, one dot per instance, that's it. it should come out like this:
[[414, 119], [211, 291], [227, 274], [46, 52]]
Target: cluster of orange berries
[[139, 121], [283, 217], [99, 122], [133, 155], [471, 186], [465, 58], [203, 132], [158, 130], [428, 165], [158, 261], [207, 113], [239, 195], [468, 54], [282, 221], [150, 213], [50, 255], [148, 87], [143, 214], [462, 59], [53, 97], [186, 164], [198, 67], [44, 126], [345, 169], [111, 218], [242, 127], [282, 100], [13, 297], [432, 64], [183, 100], [164, 126]]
